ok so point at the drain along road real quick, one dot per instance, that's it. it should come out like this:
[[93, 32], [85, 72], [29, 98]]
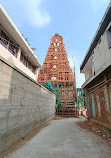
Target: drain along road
[[63, 139]]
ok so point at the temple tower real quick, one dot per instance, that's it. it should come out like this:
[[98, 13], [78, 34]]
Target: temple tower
[[56, 68]]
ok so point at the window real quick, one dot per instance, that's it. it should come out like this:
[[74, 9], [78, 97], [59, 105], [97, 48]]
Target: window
[[57, 44], [55, 50], [60, 73], [55, 57], [54, 44], [56, 39], [8, 44], [4, 38], [27, 63], [53, 78], [12, 48], [54, 66], [23, 59]]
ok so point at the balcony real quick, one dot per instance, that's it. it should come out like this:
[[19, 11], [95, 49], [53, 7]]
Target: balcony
[[10, 46]]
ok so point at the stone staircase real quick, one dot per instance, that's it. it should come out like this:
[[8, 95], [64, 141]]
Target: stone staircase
[[67, 111]]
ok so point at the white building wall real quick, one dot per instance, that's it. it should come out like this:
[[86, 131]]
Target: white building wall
[[88, 74], [88, 69], [14, 61], [101, 57]]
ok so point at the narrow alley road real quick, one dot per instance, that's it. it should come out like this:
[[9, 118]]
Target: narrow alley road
[[63, 139]]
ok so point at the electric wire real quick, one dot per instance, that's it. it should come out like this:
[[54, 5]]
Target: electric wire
[[70, 34]]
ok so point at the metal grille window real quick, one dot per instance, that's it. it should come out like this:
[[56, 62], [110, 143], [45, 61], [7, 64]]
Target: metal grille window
[[8, 44], [27, 63]]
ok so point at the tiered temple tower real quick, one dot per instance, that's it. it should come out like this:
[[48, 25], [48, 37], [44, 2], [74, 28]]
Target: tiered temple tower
[[56, 69]]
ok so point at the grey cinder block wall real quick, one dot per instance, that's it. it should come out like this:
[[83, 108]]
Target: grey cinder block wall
[[24, 105]]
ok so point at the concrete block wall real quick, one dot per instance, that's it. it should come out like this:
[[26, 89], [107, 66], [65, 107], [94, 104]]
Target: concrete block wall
[[24, 105]]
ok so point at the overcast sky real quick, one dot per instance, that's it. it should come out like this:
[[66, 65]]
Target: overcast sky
[[76, 20]]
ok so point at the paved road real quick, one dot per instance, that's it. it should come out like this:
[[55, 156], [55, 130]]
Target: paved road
[[63, 139]]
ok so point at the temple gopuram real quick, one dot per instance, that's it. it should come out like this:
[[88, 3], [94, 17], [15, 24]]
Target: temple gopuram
[[55, 69]]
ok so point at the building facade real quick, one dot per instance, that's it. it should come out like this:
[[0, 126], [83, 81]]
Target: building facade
[[97, 69], [56, 69], [14, 48]]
